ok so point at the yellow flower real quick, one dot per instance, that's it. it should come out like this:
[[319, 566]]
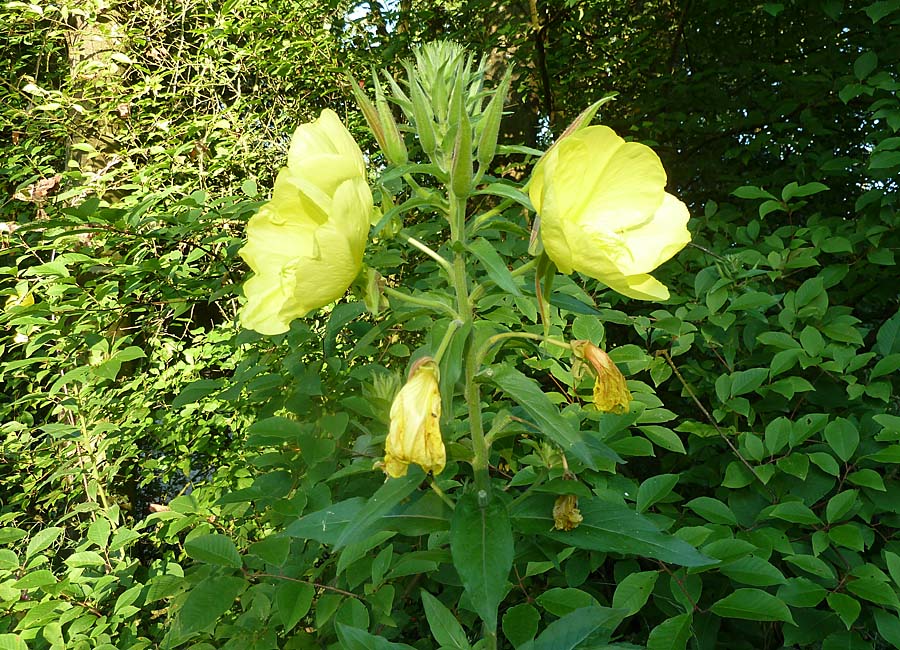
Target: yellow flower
[[305, 246], [611, 395], [604, 211], [415, 434], [566, 515]]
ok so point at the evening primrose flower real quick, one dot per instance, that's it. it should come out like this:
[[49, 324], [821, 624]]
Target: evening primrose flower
[[415, 434], [306, 244], [611, 395], [604, 211]]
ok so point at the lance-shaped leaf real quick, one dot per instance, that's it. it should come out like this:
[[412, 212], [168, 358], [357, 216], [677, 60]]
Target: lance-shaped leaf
[[530, 397], [609, 527], [481, 544], [371, 517]]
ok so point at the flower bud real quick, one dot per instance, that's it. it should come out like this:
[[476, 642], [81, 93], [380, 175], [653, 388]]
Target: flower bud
[[490, 124], [415, 434], [611, 395]]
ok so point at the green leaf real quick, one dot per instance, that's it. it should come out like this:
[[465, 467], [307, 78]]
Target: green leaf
[[751, 192], [840, 504], [560, 601], [570, 630], [444, 627], [195, 391], [203, 606], [663, 437], [326, 525], [778, 434], [847, 607], [273, 549], [520, 624], [527, 392], [494, 265], [214, 548], [610, 527], [812, 565], [372, 516], [85, 558], [671, 634], [352, 638], [507, 192], [274, 431], [888, 626], [41, 540], [792, 190], [35, 579], [753, 605], [875, 591], [631, 594], [893, 564], [712, 510], [885, 366], [293, 600], [842, 437], [12, 642], [747, 381], [867, 478], [755, 571], [884, 160], [795, 512], [654, 489], [10, 534], [887, 341], [481, 544], [9, 561], [342, 314], [98, 532], [801, 592]]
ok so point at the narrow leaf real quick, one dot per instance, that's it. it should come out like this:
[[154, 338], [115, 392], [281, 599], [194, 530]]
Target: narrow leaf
[[444, 627], [530, 397], [481, 544]]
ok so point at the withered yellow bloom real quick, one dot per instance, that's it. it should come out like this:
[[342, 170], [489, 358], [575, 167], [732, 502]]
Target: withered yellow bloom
[[415, 433], [566, 515], [611, 395], [604, 211], [306, 245]]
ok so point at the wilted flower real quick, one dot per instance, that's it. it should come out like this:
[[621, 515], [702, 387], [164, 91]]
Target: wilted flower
[[611, 395], [566, 515], [415, 433], [604, 211], [306, 245]]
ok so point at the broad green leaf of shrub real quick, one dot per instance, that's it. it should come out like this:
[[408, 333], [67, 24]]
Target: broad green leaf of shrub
[[214, 548], [671, 634], [752, 605]]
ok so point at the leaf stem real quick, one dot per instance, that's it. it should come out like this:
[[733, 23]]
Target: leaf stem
[[428, 303]]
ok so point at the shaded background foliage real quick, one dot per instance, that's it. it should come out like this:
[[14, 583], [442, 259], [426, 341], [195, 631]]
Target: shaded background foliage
[[128, 390]]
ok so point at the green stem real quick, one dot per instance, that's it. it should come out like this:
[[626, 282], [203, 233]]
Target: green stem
[[454, 325], [480, 447], [442, 495], [497, 338], [481, 219], [460, 281], [412, 241], [428, 303]]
